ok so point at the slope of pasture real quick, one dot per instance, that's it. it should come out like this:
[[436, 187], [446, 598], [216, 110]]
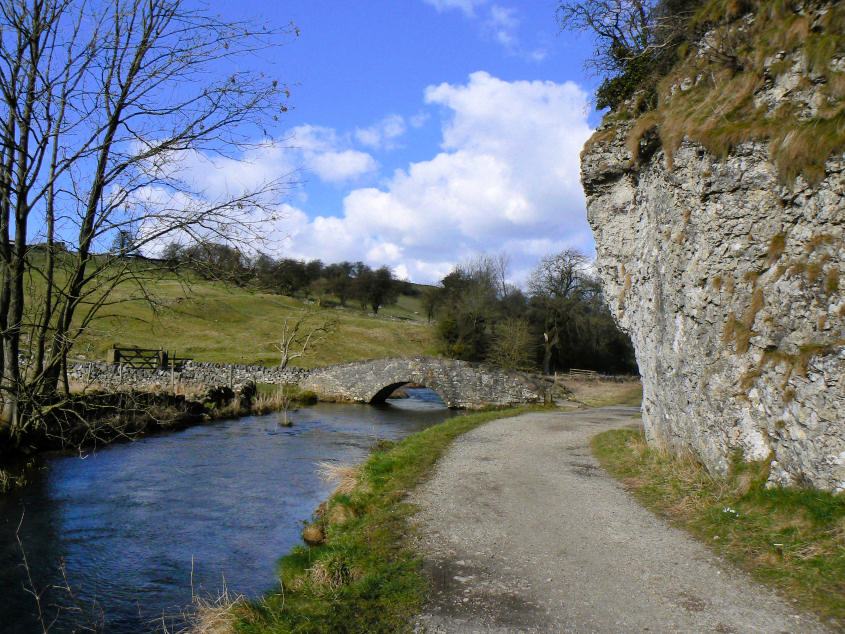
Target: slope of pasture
[[212, 321]]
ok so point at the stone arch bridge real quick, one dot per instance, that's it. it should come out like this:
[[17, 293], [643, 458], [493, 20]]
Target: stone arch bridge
[[459, 383]]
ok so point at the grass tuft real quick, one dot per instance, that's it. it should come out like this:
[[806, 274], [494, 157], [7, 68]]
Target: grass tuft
[[791, 539], [343, 475]]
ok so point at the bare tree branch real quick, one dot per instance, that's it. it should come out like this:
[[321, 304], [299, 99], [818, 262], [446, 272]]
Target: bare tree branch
[[104, 104]]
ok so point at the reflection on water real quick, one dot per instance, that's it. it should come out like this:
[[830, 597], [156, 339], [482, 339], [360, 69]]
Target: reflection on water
[[134, 523]]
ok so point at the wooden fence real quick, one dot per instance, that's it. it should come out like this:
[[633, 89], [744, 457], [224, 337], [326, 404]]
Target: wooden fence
[[145, 358], [582, 374]]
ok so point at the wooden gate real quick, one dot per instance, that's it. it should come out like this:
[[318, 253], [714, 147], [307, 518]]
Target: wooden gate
[[144, 358]]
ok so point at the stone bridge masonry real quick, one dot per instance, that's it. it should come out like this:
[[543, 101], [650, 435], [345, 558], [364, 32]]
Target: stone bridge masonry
[[459, 383]]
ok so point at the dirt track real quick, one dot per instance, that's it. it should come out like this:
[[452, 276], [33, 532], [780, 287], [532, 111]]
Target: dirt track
[[521, 530]]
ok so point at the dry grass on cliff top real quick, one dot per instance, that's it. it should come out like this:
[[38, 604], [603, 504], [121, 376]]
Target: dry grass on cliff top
[[719, 112], [790, 539]]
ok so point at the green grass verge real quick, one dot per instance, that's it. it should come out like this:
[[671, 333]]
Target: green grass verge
[[791, 539], [364, 578]]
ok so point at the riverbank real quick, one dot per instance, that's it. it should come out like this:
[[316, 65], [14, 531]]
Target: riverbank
[[140, 527], [94, 419], [518, 528], [363, 576]]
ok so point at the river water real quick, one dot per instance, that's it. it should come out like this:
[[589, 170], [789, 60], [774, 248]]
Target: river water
[[137, 527]]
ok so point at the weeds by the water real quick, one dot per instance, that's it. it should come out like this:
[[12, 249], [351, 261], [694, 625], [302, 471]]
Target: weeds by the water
[[344, 476], [792, 539], [213, 615], [363, 577], [77, 615], [280, 398]]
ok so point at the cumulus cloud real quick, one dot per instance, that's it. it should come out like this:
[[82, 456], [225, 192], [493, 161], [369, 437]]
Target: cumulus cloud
[[507, 176], [324, 153], [383, 134]]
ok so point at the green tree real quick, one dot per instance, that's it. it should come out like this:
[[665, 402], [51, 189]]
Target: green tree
[[341, 282], [377, 288], [468, 305], [124, 242]]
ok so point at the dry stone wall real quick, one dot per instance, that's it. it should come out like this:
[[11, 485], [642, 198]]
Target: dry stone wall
[[202, 374], [731, 287]]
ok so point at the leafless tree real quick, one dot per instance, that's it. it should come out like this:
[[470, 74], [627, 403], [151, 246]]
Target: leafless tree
[[559, 275], [620, 27], [104, 105], [626, 29], [297, 336], [511, 347], [502, 264], [634, 40]]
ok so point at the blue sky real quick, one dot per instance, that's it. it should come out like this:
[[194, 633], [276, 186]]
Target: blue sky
[[424, 132]]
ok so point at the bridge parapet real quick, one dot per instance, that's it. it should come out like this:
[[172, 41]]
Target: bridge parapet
[[459, 383]]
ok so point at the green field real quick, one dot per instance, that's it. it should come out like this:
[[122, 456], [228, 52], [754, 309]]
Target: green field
[[212, 321]]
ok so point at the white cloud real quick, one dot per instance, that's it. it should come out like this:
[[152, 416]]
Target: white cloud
[[325, 154], [502, 23], [467, 6], [507, 177], [337, 167], [496, 22], [383, 134], [419, 119]]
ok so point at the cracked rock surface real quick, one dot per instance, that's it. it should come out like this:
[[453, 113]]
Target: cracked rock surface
[[732, 287], [522, 531]]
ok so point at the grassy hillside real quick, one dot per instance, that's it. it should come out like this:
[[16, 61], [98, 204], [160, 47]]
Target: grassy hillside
[[212, 321]]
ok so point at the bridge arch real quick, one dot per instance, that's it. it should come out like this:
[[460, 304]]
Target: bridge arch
[[460, 384], [384, 393]]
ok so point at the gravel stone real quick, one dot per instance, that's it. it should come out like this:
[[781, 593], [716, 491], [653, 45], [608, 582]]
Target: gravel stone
[[522, 531]]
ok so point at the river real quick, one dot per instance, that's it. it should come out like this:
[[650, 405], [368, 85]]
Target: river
[[138, 527]]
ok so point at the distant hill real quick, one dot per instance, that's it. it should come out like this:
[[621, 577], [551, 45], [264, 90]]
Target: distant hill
[[213, 321]]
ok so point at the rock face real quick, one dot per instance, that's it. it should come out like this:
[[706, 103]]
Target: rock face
[[459, 383], [731, 287]]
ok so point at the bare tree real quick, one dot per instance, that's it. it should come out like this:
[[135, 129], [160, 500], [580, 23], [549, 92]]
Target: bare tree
[[559, 284], [622, 28], [559, 275], [635, 40], [297, 336], [103, 106], [502, 265], [511, 347]]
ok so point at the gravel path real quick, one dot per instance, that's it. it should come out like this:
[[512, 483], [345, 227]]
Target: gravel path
[[521, 530]]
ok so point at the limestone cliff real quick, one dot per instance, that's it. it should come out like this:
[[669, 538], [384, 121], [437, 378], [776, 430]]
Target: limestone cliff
[[727, 271]]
